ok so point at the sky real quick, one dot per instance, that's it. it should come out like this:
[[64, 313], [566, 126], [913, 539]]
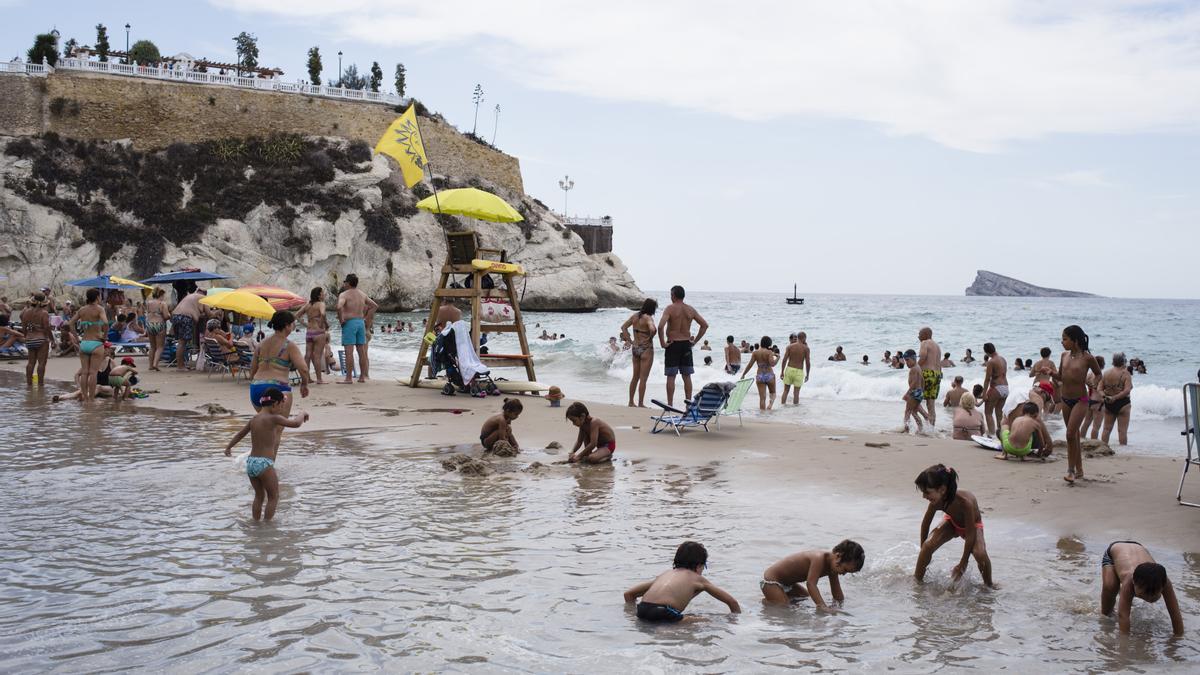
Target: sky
[[846, 147]]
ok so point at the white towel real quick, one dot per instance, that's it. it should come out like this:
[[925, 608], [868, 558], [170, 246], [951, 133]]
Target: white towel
[[468, 361]]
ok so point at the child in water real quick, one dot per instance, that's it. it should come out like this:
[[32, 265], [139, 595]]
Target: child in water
[[596, 442], [939, 486], [665, 598], [1129, 571], [796, 576], [915, 394], [499, 427], [260, 465]]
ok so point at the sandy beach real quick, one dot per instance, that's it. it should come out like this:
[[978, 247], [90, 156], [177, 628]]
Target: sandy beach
[[1128, 496]]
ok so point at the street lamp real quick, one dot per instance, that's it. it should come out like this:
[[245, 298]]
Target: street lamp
[[340, 84], [567, 185]]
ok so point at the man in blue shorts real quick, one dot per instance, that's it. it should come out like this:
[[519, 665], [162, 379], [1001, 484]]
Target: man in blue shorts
[[356, 312], [675, 336]]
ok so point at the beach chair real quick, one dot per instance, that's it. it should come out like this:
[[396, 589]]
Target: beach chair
[[1191, 434], [733, 406], [245, 358], [214, 358], [699, 412], [342, 362], [131, 347]]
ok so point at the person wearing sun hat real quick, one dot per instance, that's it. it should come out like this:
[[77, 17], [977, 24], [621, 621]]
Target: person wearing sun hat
[[555, 396]]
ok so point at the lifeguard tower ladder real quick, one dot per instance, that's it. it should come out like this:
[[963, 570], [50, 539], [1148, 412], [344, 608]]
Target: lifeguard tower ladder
[[461, 249]]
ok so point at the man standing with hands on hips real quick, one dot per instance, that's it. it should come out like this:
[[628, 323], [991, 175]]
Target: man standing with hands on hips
[[675, 336], [355, 312]]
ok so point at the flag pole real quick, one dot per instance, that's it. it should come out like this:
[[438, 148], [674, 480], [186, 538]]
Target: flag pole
[[417, 121]]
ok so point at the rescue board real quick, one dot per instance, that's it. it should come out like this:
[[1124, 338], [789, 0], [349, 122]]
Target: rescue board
[[497, 266], [985, 442]]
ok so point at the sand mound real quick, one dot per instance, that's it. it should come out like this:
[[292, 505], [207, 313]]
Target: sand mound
[[1092, 448], [466, 465], [553, 445], [503, 449], [534, 467], [214, 409]]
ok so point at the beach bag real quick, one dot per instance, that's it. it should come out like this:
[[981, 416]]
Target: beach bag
[[496, 311]]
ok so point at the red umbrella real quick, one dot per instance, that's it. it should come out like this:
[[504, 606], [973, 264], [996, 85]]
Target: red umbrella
[[279, 298]]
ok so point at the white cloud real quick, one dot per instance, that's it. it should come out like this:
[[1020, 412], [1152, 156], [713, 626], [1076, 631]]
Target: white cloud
[[1086, 178], [972, 75]]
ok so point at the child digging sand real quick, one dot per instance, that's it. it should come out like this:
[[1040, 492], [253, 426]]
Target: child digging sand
[[498, 428], [596, 442], [939, 486], [665, 598], [260, 465], [1128, 571], [796, 576], [1023, 432]]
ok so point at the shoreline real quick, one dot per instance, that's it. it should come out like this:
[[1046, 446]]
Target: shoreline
[[1131, 496]]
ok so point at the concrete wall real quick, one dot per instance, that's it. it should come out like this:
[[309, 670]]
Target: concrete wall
[[596, 238], [154, 113]]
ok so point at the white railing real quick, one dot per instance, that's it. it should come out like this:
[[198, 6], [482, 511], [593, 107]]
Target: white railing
[[183, 75], [594, 222]]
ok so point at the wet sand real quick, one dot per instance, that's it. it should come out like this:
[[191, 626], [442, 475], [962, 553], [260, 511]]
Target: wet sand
[[1128, 496]]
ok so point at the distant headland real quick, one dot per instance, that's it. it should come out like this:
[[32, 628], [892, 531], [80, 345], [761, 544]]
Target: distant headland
[[992, 284]]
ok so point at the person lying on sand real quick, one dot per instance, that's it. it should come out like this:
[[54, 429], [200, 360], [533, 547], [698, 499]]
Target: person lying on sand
[[1128, 571], [666, 597], [1023, 431], [260, 465], [596, 442], [796, 576], [939, 486], [499, 427]]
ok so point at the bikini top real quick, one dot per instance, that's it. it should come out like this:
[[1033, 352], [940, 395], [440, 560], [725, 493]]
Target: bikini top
[[283, 363]]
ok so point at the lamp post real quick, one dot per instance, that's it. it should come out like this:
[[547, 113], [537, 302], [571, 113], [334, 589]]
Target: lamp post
[[340, 84], [567, 185], [126, 43]]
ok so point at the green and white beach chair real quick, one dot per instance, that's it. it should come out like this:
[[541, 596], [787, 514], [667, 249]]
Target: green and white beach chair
[[733, 405], [1191, 433]]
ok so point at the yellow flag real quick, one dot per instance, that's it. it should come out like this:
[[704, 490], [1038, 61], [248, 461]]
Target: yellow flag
[[402, 142]]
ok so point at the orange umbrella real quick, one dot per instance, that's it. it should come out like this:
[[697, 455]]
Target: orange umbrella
[[279, 298]]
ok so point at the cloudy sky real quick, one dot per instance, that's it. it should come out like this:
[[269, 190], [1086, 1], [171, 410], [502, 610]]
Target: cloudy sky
[[857, 147]]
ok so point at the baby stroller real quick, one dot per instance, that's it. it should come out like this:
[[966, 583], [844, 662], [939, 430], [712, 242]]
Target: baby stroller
[[445, 356]]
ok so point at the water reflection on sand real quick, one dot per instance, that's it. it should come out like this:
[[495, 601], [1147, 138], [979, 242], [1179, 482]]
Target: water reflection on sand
[[132, 545]]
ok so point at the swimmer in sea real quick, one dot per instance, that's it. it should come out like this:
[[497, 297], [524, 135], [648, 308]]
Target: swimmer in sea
[[499, 427], [1128, 571], [666, 597], [733, 356], [796, 576], [264, 429], [596, 442], [947, 362], [939, 486], [968, 359], [955, 393], [764, 379]]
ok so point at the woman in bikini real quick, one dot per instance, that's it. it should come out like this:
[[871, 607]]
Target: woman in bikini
[[91, 321], [1073, 368], [276, 357], [939, 486], [38, 338], [1115, 388], [765, 359], [1095, 416], [642, 353], [157, 316], [316, 332]]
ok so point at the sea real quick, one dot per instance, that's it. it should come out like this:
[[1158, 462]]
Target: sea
[[848, 394]]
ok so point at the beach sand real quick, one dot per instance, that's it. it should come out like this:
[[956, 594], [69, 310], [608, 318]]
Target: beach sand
[[1129, 496]]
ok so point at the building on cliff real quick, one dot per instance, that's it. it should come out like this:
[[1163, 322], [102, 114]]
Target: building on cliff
[[596, 233], [302, 201]]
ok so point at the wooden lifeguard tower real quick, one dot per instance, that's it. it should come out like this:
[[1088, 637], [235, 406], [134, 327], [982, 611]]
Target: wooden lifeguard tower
[[464, 256]]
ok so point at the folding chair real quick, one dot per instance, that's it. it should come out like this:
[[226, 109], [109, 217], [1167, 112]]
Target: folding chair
[[1191, 434], [700, 412], [733, 406], [214, 358]]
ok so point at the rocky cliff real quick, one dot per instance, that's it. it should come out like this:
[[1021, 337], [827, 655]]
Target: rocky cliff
[[287, 210], [992, 284]]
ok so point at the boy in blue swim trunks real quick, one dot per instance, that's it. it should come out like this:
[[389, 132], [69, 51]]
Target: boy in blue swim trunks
[[665, 598], [915, 393], [260, 465]]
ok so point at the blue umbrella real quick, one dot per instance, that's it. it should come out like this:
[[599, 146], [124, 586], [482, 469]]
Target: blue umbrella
[[103, 281], [170, 277]]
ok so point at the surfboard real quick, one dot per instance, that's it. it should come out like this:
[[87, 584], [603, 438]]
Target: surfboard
[[989, 443], [506, 386], [497, 266]]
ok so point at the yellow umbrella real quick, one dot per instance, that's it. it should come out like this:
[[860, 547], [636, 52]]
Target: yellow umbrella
[[129, 282], [241, 302], [472, 203]]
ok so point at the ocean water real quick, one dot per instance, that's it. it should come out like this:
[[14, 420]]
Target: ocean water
[[130, 547], [850, 395]]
